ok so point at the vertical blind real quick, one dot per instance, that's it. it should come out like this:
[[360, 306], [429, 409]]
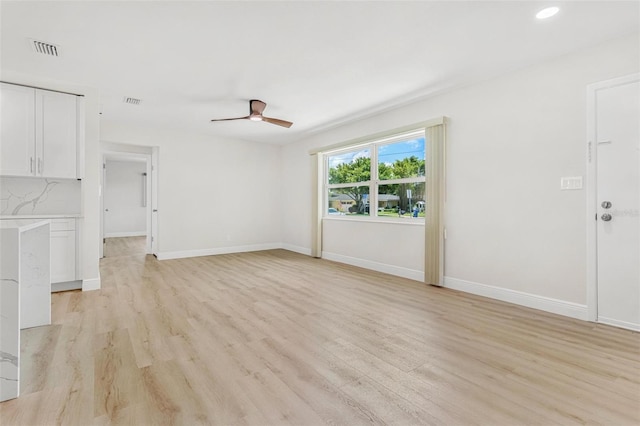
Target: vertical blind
[[316, 204], [434, 210]]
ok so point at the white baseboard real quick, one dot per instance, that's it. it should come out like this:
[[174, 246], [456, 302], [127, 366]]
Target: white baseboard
[[560, 307], [375, 266], [91, 284], [297, 249], [215, 251], [618, 323], [66, 286], [126, 234], [547, 304]]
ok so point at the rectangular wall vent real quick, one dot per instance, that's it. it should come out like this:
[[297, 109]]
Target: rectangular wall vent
[[132, 101], [45, 48]]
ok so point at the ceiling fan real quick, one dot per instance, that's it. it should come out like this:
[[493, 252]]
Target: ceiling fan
[[255, 114]]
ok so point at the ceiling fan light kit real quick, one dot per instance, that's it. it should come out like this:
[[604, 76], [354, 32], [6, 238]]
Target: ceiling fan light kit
[[255, 114]]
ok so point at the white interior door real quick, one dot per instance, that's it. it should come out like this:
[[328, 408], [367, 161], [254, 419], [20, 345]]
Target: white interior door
[[103, 181], [617, 144], [154, 200]]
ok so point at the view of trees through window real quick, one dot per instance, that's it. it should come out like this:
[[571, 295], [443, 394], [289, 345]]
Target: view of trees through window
[[394, 172]]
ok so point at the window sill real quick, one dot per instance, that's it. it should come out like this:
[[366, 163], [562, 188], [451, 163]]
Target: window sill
[[411, 221]]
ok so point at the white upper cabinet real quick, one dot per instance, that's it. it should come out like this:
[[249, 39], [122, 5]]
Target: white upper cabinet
[[17, 130], [56, 140], [39, 133]]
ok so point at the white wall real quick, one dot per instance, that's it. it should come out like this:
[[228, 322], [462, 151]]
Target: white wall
[[123, 196], [214, 195], [392, 248], [510, 140]]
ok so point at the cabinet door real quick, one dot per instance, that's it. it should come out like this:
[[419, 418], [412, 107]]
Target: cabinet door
[[56, 139], [17, 130], [63, 256]]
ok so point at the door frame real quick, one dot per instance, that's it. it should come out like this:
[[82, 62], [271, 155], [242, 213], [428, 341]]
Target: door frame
[[103, 183], [591, 186], [153, 203], [151, 161]]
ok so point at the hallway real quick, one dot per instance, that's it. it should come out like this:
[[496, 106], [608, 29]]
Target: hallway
[[124, 246]]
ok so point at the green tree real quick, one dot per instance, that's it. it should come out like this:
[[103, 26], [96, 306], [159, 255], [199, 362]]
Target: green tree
[[359, 170], [407, 167], [404, 168], [384, 171]]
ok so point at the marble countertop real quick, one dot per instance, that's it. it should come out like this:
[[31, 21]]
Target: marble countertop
[[23, 224], [25, 280], [40, 216]]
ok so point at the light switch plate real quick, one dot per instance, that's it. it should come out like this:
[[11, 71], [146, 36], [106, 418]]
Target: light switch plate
[[571, 182]]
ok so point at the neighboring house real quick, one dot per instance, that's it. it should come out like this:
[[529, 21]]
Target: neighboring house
[[388, 201], [341, 202]]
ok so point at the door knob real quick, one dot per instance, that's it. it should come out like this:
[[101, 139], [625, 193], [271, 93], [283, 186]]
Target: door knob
[[606, 204], [606, 217]]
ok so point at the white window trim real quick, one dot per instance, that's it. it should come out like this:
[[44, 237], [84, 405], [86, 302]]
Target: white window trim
[[365, 140], [410, 221]]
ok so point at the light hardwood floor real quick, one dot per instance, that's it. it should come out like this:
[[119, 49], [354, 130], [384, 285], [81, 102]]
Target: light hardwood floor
[[127, 246], [274, 337]]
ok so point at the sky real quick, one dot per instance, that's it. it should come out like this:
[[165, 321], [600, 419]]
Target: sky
[[386, 153]]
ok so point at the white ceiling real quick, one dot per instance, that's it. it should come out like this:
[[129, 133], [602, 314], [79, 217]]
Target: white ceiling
[[314, 63]]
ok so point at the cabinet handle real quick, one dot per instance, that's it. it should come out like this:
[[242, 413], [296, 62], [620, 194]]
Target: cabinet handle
[[31, 165]]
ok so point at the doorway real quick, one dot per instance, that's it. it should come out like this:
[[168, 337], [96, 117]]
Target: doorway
[[128, 199], [614, 202]]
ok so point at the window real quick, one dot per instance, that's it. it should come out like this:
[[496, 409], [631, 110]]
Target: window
[[349, 176], [388, 174], [397, 173]]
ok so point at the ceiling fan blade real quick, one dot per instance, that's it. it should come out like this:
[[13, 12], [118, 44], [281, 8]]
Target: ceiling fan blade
[[282, 123], [229, 119], [256, 107]]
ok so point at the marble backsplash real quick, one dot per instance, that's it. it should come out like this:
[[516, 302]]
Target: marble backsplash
[[39, 196]]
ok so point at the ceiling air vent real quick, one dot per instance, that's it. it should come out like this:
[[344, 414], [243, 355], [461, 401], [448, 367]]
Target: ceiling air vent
[[132, 101], [45, 48]]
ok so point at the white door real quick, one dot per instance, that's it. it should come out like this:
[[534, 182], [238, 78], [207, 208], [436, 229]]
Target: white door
[[56, 138], [154, 200], [103, 166], [617, 145], [17, 130]]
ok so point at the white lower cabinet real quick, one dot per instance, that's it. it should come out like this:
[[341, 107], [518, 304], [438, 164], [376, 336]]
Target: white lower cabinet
[[63, 250]]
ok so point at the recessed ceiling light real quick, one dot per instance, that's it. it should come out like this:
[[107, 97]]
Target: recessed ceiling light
[[547, 13]]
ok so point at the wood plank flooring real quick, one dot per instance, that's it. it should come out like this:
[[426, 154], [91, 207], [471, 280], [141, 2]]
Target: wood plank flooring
[[124, 246], [275, 338]]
